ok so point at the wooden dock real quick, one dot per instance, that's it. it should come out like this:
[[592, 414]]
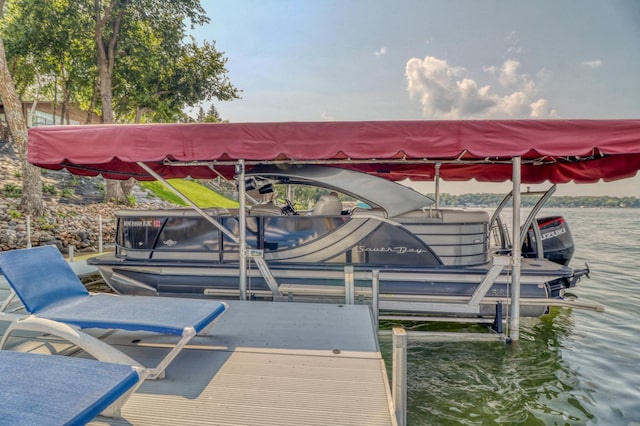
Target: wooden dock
[[268, 363]]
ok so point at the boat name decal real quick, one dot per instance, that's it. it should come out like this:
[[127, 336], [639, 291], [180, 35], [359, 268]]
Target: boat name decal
[[399, 250], [155, 223], [555, 233]]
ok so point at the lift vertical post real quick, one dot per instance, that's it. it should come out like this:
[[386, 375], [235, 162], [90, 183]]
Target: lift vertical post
[[514, 328], [242, 218]]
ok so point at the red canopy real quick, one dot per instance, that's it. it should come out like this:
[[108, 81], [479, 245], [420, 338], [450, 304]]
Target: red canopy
[[558, 151]]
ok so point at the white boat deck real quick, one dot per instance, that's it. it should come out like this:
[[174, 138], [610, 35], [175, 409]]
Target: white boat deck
[[265, 363]]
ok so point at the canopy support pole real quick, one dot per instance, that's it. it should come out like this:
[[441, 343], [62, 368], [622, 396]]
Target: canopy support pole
[[242, 218], [514, 328], [437, 189]]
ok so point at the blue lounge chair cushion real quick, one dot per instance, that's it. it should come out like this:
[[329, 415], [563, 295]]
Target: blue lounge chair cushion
[[39, 278], [48, 287], [136, 313], [48, 389]]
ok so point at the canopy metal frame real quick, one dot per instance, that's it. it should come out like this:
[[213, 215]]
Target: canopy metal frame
[[538, 161]]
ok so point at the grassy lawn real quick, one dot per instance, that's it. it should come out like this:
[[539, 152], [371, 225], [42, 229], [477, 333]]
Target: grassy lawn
[[202, 196]]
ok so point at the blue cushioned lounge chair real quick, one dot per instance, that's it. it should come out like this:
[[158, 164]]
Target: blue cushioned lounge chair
[[60, 304], [44, 389]]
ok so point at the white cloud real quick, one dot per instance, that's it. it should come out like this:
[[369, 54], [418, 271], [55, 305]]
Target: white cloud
[[541, 109], [446, 92], [509, 76], [593, 64], [507, 73], [381, 51]]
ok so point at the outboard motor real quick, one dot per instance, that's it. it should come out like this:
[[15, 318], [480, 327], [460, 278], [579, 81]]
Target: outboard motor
[[557, 241]]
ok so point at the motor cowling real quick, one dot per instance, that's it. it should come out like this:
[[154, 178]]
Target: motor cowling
[[557, 242]]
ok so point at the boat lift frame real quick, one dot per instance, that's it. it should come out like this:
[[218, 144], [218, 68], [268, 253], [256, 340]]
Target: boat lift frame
[[514, 259]]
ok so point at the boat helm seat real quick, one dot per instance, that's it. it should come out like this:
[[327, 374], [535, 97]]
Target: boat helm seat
[[265, 209], [328, 205]]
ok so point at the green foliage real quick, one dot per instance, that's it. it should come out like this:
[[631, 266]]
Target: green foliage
[[492, 200], [131, 200], [51, 47], [15, 214], [158, 70], [211, 116], [202, 196], [49, 189], [11, 190], [44, 224], [17, 174], [67, 193]]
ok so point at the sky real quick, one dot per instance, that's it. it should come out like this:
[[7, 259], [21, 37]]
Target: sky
[[324, 60]]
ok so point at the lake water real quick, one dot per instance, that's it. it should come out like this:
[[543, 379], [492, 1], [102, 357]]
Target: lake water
[[571, 367]]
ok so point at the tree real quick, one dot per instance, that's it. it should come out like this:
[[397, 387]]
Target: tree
[[211, 116], [31, 201], [51, 50], [159, 74], [131, 60], [164, 20]]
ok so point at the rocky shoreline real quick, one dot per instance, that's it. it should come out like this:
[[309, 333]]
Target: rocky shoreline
[[61, 225], [74, 211]]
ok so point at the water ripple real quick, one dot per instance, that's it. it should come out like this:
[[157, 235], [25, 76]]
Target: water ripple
[[569, 368]]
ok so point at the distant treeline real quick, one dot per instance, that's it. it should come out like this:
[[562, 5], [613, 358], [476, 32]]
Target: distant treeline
[[491, 200]]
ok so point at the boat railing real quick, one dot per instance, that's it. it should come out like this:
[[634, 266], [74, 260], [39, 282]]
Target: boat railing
[[502, 233]]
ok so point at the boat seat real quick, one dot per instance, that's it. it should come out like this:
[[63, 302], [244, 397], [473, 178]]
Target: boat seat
[[463, 216], [328, 205], [450, 215], [265, 209]]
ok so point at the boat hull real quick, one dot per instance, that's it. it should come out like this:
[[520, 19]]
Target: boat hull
[[314, 283]]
